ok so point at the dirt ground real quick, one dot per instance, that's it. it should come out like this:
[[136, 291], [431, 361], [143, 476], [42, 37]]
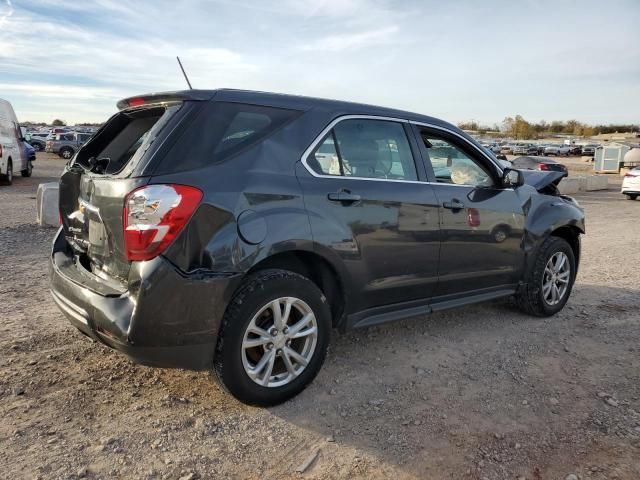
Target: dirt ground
[[482, 392]]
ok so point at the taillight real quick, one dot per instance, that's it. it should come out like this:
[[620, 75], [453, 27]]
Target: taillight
[[626, 175], [0, 151], [154, 216], [543, 166]]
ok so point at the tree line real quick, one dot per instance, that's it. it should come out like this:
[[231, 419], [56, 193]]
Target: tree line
[[517, 127]]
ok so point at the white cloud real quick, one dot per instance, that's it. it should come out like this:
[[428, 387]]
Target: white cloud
[[353, 41], [59, 91], [6, 12]]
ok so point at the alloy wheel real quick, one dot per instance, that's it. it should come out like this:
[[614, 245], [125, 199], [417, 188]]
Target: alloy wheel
[[555, 281], [279, 342]]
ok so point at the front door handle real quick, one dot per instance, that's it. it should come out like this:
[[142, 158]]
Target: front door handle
[[343, 197], [454, 204]]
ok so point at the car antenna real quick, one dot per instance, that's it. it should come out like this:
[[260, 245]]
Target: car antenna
[[184, 73]]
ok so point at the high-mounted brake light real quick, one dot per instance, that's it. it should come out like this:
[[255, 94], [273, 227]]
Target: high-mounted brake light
[[153, 217], [135, 102]]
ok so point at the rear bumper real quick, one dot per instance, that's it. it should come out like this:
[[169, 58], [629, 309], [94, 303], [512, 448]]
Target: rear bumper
[[166, 318], [632, 187]]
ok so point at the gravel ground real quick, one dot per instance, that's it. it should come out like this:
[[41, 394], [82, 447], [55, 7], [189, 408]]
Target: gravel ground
[[482, 392]]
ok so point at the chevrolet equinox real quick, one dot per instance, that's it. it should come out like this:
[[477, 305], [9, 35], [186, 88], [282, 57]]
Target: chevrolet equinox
[[231, 230]]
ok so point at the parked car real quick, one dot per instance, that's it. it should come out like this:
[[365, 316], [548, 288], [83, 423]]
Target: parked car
[[37, 140], [631, 183], [12, 152], [66, 144], [29, 153], [493, 148], [237, 251], [589, 150], [540, 149], [532, 149], [575, 149], [538, 163], [58, 130], [507, 148], [557, 150], [525, 149], [520, 149]]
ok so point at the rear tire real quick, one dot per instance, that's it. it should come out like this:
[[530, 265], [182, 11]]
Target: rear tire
[[7, 179], [631, 196], [533, 298], [27, 171], [237, 364]]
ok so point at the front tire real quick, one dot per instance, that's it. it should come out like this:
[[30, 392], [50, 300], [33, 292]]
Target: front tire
[[27, 171], [549, 280], [631, 196], [273, 338]]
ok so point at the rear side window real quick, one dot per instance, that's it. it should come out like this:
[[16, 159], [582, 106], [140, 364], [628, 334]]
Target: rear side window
[[221, 130], [365, 149]]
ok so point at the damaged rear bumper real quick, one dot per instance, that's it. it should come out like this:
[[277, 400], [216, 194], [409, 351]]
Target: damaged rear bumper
[[163, 318]]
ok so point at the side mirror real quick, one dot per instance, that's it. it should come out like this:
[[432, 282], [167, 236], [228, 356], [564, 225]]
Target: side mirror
[[512, 178]]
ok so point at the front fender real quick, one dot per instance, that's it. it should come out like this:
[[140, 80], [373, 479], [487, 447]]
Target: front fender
[[546, 214]]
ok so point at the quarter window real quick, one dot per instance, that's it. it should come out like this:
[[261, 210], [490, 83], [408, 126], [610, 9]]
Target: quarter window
[[365, 149], [452, 165]]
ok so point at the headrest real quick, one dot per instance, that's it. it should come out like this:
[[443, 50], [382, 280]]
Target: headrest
[[359, 151]]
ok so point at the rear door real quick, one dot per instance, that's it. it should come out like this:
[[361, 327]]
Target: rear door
[[482, 223], [369, 205], [94, 185]]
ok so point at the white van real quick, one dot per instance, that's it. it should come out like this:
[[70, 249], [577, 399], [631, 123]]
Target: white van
[[12, 155]]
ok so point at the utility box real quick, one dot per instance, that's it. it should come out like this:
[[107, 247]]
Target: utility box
[[47, 204], [608, 158]]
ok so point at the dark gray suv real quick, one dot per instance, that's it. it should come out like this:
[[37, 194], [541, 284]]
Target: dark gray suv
[[232, 230]]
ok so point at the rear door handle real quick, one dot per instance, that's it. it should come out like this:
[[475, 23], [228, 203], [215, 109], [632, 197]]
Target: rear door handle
[[345, 197], [454, 204]]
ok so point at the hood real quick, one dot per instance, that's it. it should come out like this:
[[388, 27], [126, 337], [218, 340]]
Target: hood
[[541, 180]]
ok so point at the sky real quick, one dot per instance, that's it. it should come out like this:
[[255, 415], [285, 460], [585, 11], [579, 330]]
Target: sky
[[457, 60]]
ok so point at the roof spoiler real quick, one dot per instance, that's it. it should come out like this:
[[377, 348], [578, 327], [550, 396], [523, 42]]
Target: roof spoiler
[[164, 97]]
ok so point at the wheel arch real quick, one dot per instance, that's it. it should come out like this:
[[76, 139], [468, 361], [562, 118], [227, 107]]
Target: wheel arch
[[314, 267], [571, 234]]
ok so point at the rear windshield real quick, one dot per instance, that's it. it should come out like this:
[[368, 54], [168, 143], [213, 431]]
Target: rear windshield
[[220, 131], [124, 139]]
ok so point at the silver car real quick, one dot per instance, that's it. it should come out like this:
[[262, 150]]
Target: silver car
[[557, 150], [67, 144]]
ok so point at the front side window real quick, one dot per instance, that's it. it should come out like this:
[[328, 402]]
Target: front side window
[[365, 149], [452, 165]]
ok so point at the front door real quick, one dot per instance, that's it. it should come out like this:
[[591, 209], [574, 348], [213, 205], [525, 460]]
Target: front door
[[368, 206], [482, 223]]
